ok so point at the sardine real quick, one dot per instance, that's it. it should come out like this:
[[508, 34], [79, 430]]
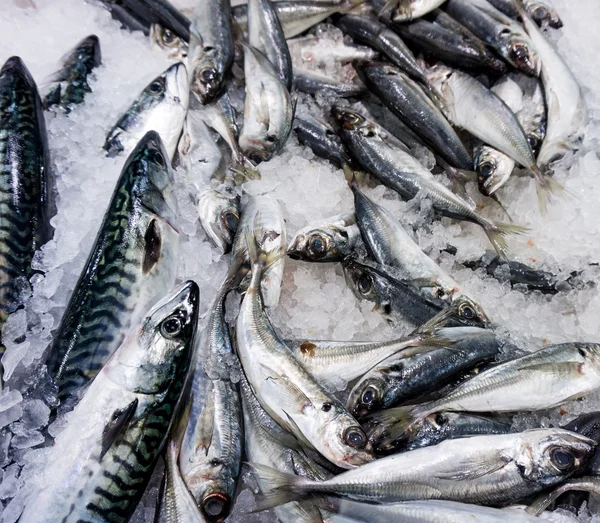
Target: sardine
[[132, 263], [329, 240], [26, 182], [308, 50], [400, 171], [499, 31], [312, 82], [174, 46], [489, 469], [540, 11], [268, 110], [405, 11], [265, 34], [102, 461], [290, 395], [407, 101], [69, 85], [210, 52], [160, 107], [321, 138]]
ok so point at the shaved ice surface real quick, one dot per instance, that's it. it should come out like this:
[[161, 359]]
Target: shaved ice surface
[[315, 301]]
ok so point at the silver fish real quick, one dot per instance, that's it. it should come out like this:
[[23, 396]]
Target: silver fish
[[173, 45], [541, 12], [308, 50], [585, 484], [160, 107], [268, 110], [312, 82], [405, 11], [219, 214]]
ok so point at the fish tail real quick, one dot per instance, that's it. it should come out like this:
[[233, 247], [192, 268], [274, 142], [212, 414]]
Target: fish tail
[[282, 487], [546, 186], [354, 178], [390, 425], [496, 232]]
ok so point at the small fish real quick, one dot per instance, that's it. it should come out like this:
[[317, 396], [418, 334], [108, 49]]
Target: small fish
[[407, 10], [540, 11], [329, 240], [101, 463], [321, 138], [399, 170], [69, 85], [489, 469], [210, 53], [268, 109], [219, 214], [499, 31], [174, 46], [312, 82], [160, 107], [308, 50], [589, 484]]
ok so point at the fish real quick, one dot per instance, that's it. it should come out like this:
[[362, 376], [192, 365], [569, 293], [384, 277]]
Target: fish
[[540, 12], [446, 39], [404, 11], [69, 85], [289, 394], [329, 240], [268, 109], [389, 244], [219, 213], [175, 47], [307, 50], [472, 106], [210, 52], [540, 380], [102, 461], [321, 138], [589, 484], [211, 451], [408, 102], [400, 171], [564, 100], [160, 107], [404, 377], [504, 35], [26, 182], [132, 263], [490, 469], [312, 82], [266, 35]]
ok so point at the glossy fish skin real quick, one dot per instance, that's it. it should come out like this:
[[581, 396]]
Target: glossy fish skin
[[210, 53], [321, 139], [404, 377], [311, 82], [268, 110], [405, 11], [132, 263], [211, 450], [160, 107], [102, 461], [540, 11], [174, 46], [266, 35], [329, 240], [219, 213], [407, 101], [489, 470], [499, 31], [26, 181], [308, 49], [69, 85]]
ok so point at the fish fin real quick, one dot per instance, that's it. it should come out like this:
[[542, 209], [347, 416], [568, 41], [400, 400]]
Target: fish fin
[[470, 471], [290, 390], [283, 487], [354, 178], [496, 231], [385, 15], [205, 426], [439, 321], [52, 97], [494, 197], [546, 187], [390, 424], [459, 179], [421, 283], [116, 426], [283, 436], [241, 172], [295, 429]]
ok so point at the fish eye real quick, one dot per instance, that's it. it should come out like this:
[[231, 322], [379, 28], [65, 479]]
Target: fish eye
[[355, 437], [256, 158], [440, 419], [167, 36], [365, 284], [158, 159], [230, 219], [519, 52], [270, 139], [440, 292], [207, 75], [369, 395], [326, 407], [156, 87], [171, 327], [533, 142], [317, 246], [485, 169], [562, 459], [466, 311]]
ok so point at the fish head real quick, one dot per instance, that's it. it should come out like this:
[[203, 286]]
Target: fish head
[[166, 40], [87, 54], [258, 144], [550, 455], [347, 119], [542, 12], [470, 312], [219, 216], [367, 395], [493, 170], [207, 75], [320, 244], [520, 53], [535, 140], [208, 485], [176, 85], [368, 284]]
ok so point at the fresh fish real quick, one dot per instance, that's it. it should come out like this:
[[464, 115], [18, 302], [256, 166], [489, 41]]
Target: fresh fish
[[404, 377], [266, 35], [69, 85], [210, 53], [539, 380], [389, 244], [407, 101], [132, 263], [219, 213], [387, 42], [26, 182], [211, 451], [268, 110], [174, 46], [160, 107], [308, 50], [289, 394], [266, 443], [101, 463], [540, 11], [472, 106], [564, 99], [589, 484], [500, 32], [321, 138], [397, 169], [329, 240], [489, 469], [407, 10], [454, 44], [312, 82]]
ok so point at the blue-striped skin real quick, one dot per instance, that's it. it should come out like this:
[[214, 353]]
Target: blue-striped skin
[[26, 187], [102, 461], [132, 263]]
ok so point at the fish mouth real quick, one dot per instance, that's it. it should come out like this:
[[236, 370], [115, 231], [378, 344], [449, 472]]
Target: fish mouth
[[216, 507], [177, 83]]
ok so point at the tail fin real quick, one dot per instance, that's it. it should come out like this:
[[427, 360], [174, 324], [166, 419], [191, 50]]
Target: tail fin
[[494, 197], [354, 178], [546, 186], [283, 487], [496, 231], [390, 424]]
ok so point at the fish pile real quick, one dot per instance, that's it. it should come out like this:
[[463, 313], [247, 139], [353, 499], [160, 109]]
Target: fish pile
[[160, 401]]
